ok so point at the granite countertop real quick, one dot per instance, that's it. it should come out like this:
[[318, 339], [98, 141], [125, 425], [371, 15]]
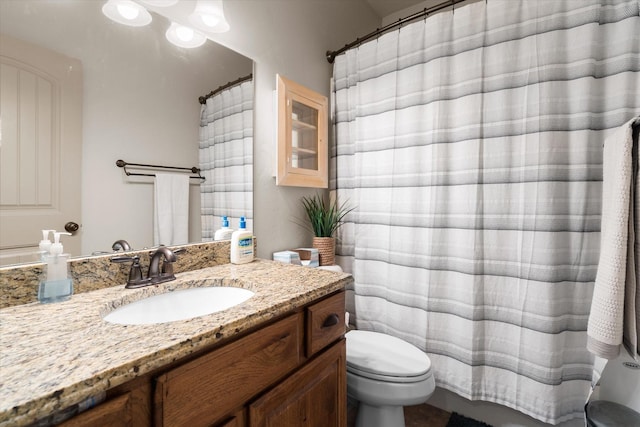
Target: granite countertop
[[53, 356]]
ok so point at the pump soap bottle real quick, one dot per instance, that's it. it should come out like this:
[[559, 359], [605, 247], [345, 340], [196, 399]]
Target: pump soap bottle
[[242, 244], [57, 285], [225, 232], [45, 244]]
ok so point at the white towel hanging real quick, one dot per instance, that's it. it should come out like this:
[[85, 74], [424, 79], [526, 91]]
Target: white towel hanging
[[171, 214], [614, 317]]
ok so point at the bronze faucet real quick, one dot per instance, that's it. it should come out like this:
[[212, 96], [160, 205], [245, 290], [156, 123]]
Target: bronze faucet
[[121, 245], [155, 274]]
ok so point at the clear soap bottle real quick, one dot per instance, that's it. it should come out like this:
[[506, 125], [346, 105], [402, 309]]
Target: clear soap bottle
[[57, 285]]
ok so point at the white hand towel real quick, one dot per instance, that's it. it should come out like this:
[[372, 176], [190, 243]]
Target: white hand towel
[[171, 222]]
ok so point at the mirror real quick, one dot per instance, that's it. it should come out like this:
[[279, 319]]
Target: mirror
[[139, 103]]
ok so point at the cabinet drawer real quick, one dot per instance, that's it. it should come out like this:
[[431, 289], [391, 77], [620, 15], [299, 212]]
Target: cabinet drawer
[[325, 323], [203, 391]]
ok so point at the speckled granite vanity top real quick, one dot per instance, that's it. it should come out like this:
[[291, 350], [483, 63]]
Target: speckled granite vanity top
[[55, 355]]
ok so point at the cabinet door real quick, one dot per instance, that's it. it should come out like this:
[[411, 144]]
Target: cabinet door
[[203, 391], [115, 412], [315, 396], [302, 157], [237, 420]]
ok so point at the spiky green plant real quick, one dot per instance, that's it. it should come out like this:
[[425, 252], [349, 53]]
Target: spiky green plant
[[324, 218]]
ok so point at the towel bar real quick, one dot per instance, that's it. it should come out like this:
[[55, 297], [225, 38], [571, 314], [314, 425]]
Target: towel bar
[[123, 164]]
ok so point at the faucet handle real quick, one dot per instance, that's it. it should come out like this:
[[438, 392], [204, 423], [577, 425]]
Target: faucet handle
[[124, 258], [135, 274]]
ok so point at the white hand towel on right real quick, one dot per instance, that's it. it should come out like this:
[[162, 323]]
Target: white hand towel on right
[[614, 317]]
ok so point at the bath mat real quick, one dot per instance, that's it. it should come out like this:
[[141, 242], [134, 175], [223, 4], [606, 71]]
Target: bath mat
[[458, 420]]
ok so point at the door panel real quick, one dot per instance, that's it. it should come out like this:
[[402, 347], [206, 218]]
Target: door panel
[[40, 147]]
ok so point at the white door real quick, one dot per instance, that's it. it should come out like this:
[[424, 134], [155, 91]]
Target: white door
[[40, 147]]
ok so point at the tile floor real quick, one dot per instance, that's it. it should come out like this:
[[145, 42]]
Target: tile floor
[[414, 416], [425, 415]]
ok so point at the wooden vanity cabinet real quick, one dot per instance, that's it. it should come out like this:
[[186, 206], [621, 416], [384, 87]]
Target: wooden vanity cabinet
[[288, 373], [316, 394], [203, 391]]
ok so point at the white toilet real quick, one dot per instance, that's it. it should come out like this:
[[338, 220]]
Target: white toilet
[[385, 373]]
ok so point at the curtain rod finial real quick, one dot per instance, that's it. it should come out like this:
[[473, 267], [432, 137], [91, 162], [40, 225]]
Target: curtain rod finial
[[330, 56]]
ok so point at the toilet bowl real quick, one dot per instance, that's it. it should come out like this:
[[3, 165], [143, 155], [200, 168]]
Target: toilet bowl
[[601, 413], [385, 373]]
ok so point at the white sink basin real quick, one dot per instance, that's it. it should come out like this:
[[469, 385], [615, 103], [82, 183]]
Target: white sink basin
[[178, 305]]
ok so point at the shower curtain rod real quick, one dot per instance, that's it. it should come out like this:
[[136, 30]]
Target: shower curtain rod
[[331, 55], [203, 99]]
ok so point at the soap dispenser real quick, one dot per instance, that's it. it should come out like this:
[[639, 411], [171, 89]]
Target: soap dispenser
[[45, 244], [57, 284], [225, 232], [242, 244]]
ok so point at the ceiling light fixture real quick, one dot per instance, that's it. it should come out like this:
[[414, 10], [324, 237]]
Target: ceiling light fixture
[[183, 36], [209, 15], [126, 12]]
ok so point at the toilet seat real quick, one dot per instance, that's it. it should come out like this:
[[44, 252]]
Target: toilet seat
[[385, 358]]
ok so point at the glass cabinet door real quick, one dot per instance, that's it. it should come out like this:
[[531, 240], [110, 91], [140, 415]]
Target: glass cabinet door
[[302, 136]]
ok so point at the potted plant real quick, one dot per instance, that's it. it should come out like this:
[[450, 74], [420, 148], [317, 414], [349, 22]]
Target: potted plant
[[324, 218]]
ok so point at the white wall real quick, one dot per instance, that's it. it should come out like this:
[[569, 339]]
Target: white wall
[[140, 104]]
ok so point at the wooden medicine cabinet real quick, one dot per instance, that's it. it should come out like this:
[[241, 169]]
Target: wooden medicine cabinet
[[302, 153]]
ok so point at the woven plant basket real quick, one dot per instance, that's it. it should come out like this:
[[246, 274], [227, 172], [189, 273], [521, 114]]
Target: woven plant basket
[[326, 247]]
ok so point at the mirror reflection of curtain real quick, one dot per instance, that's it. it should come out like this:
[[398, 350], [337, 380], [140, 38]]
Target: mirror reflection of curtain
[[226, 158]]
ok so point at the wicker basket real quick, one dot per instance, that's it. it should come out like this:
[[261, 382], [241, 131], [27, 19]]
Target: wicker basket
[[326, 247]]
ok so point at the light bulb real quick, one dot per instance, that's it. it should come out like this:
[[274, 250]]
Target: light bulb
[[208, 15], [127, 11], [160, 3], [183, 36], [184, 33], [210, 20]]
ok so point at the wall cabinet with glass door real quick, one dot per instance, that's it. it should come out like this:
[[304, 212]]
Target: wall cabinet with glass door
[[302, 154]]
